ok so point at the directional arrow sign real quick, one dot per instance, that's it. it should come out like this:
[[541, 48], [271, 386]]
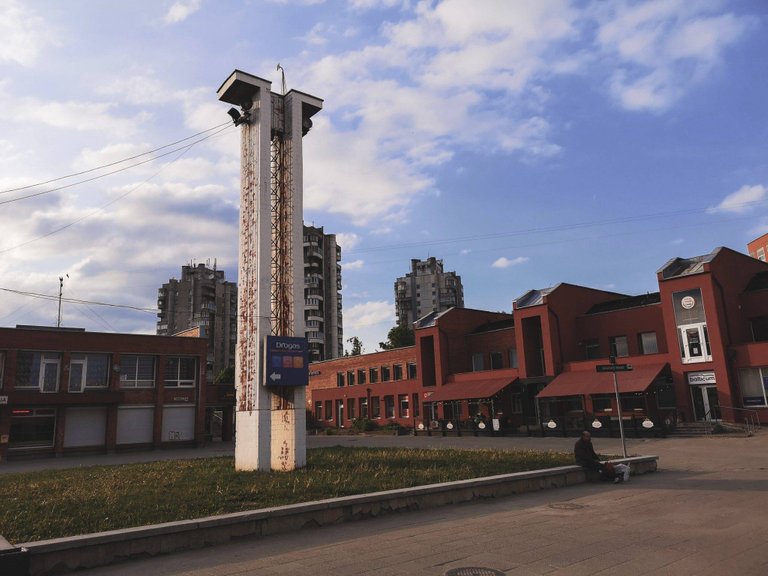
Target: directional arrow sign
[[613, 367], [275, 376], [286, 361]]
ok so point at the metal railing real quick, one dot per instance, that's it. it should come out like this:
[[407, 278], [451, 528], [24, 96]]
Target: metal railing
[[751, 418]]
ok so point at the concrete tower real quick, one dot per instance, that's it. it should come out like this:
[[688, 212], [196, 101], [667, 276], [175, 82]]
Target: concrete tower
[[270, 419]]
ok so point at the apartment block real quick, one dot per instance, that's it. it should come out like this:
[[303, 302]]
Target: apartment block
[[323, 322], [426, 288]]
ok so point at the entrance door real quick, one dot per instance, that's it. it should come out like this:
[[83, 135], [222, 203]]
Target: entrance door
[[694, 343], [705, 402]]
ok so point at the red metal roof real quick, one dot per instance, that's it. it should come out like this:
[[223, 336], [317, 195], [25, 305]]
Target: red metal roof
[[469, 390], [591, 382]]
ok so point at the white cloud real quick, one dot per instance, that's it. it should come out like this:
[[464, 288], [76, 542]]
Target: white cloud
[[661, 48], [24, 34], [347, 240], [181, 10], [743, 200], [504, 262], [354, 265], [370, 321]]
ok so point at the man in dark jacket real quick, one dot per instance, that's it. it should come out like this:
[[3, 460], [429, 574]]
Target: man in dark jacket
[[586, 456]]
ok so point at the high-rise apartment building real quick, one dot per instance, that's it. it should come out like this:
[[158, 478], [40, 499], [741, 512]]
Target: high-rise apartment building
[[427, 288], [201, 300], [322, 295]]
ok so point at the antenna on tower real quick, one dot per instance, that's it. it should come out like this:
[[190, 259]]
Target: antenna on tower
[[282, 71]]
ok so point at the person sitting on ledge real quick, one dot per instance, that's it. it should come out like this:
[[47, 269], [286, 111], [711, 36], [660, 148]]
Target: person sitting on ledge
[[587, 458]]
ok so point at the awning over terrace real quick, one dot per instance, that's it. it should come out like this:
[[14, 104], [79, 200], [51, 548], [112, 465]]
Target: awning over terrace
[[589, 382], [474, 390]]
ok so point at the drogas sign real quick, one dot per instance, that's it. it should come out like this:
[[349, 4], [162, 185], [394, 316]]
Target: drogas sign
[[286, 361]]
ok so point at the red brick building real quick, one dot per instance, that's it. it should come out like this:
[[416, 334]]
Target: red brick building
[[64, 390], [697, 348]]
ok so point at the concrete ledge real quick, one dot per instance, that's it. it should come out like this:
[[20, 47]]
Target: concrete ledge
[[103, 548]]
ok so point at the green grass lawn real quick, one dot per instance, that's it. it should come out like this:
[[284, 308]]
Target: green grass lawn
[[56, 503]]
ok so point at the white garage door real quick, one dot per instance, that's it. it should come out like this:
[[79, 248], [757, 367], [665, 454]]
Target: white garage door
[[85, 427], [135, 425], [178, 423]]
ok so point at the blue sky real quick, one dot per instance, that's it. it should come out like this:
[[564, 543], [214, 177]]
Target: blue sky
[[524, 143]]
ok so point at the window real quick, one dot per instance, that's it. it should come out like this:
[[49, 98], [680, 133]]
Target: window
[[415, 405], [137, 371], [759, 329], [351, 409], [385, 374], [339, 379], [753, 383], [619, 346], [397, 371], [2, 367], [180, 372], [402, 403], [329, 409], [601, 403], [665, 395], [389, 406], [517, 404], [38, 370], [351, 378], [648, 344], [632, 402], [374, 375], [363, 405], [361, 376], [411, 367], [32, 428], [477, 362], [375, 407], [591, 349], [761, 254], [318, 411], [88, 371], [513, 357], [497, 362]]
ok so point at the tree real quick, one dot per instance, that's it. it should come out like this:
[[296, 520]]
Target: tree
[[226, 376], [357, 347], [398, 337]]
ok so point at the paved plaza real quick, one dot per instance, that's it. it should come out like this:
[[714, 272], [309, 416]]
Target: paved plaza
[[704, 512]]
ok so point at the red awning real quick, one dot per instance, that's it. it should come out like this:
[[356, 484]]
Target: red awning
[[473, 390], [591, 382]]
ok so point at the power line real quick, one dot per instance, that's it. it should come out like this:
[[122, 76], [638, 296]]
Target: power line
[[184, 149], [28, 186], [77, 300], [123, 169]]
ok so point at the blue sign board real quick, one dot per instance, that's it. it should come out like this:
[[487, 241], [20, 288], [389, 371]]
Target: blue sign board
[[286, 361]]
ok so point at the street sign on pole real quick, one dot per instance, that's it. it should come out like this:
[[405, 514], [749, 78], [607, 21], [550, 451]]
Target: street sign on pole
[[613, 367]]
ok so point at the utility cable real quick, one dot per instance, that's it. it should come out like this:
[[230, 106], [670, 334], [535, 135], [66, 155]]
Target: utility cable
[[77, 301], [28, 186]]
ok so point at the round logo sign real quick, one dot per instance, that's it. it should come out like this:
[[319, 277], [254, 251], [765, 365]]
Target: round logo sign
[[688, 302]]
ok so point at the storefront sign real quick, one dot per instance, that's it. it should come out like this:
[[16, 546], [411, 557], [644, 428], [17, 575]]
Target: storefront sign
[[286, 361], [688, 302], [698, 378], [3, 399]]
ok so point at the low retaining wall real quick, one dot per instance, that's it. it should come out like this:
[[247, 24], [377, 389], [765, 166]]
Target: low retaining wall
[[90, 550]]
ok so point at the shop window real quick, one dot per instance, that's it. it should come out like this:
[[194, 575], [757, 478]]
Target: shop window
[[631, 402], [137, 371], [88, 371], [477, 362], [385, 374], [180, 372], [753, 383], [361, 376], [591, 349], [351, 378], [411, 367], [517, 404], [374, 375], [329, 409], [497, 362], [32, 428], [402, 403], [318, 411], [647, 342], [389, 406], [363, 405], [397, 372], [760, 329], [38, 370], [351, 409], [619, 346], [513, 358], [375, 407], [601, 403], [415, 400]]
